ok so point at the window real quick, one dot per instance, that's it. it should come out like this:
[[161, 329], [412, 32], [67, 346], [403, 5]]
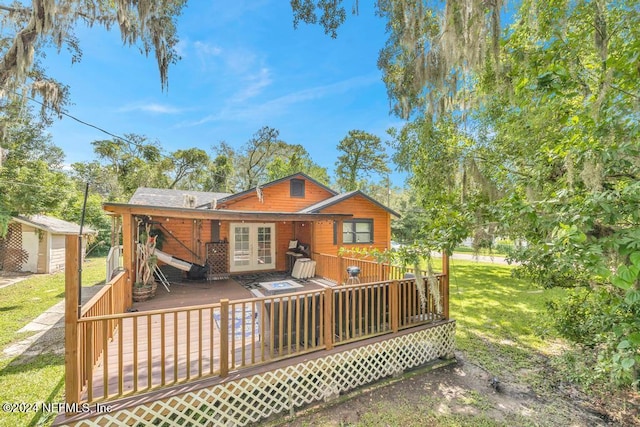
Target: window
[[357, 231], [297, 187]]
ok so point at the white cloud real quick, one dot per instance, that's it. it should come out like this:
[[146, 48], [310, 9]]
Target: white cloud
[[255, 83], [207, 49], [235, 110], [151, 107]]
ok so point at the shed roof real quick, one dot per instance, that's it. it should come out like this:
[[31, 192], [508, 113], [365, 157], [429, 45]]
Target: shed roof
[[172, 198], [53, 225]]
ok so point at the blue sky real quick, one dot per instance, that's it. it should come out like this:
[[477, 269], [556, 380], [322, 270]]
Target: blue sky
[[243, 67]]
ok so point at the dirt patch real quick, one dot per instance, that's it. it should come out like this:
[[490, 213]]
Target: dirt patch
[[460, 394]]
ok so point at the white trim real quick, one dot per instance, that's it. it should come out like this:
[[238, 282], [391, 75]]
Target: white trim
[[252, 250]]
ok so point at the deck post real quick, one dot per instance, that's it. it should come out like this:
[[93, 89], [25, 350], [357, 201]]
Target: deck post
[[328, 318], [128, 256], [71, 313], [445, 294], [224, 337], [394, 305]]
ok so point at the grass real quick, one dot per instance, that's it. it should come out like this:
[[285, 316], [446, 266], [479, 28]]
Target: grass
[[34, 379], [481, 251], [502, 327], [501, 321]]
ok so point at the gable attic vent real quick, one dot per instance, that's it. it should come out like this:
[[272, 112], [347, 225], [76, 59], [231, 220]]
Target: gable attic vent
[[189, 201]]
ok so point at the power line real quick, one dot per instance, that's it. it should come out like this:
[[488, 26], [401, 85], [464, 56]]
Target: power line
[[81, 121], [128, 141]]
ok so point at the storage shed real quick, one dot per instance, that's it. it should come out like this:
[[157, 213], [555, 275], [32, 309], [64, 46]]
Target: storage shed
[[36, 244]]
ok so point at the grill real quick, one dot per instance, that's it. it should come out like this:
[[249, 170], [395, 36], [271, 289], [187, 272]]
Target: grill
[[353, 271]]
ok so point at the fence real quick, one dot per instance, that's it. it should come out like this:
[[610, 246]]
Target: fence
[[334, 268], [153, 349], [114, 261]]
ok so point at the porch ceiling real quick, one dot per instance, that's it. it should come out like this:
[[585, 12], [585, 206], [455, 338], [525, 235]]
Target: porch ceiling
[[193, 213]]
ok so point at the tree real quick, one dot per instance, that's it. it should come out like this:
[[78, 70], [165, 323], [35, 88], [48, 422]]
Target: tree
[[531, 132], [220, 171], [101, 179], [134, 162], [363, 157], [27, 27], [256, 154], [186, 163], [294, 159], [31, 176], [543, 146]]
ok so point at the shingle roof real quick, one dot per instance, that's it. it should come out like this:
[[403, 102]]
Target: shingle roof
[[316, 208], [53, 225], [172, 198]]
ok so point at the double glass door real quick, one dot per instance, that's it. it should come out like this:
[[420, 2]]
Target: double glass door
[[252, 246]]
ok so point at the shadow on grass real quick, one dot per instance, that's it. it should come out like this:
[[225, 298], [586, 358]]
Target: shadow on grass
[[501, 321], [39, 418]]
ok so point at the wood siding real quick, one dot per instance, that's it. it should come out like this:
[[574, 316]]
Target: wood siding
[[277, 198], [361, 208], [193, 234], [186, 230]]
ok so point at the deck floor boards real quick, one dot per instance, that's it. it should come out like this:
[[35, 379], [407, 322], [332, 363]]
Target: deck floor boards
[[203, 356]]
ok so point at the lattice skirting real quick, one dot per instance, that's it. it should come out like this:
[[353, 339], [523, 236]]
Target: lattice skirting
[[254, 398]]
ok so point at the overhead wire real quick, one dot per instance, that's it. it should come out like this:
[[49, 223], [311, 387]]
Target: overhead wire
[[72, 117]]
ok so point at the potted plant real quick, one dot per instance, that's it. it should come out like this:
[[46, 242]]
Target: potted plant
[[145, 286]]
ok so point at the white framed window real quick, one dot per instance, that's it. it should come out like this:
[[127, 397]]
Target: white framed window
[[357, 231]]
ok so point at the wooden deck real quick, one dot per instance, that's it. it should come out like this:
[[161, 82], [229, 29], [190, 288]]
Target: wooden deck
[[164, 343], [185, 294]]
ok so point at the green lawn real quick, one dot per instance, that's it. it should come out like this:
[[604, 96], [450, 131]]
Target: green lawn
[[501, 326], [481, 251], [34, 379], [502, 322]]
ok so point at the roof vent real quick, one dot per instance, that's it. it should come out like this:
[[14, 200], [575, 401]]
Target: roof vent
[[189, 201]]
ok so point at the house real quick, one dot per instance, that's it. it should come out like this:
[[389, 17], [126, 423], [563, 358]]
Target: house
[[219, 351], [36, 243], [254, 230]]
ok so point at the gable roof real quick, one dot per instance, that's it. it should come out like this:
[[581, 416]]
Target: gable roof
[[53, 225], [341, 197], [172, 198], [277, 181]]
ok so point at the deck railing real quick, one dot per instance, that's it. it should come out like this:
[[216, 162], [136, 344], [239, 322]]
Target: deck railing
[[109, 300], [114, 261], [159, 348], [334, 268]]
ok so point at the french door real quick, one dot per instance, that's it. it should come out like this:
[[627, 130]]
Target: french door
[[252, 246]]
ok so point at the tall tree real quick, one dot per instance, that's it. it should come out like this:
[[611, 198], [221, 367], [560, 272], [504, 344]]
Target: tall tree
[[363, 157], [255, 156], [294, 159], [535, 129], [544, 142], [31, 177], [135, 162], [29, 26], [220, 172], [186, 166]]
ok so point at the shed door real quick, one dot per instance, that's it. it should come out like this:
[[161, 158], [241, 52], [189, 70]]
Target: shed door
[[252, 247], [31, 244]]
